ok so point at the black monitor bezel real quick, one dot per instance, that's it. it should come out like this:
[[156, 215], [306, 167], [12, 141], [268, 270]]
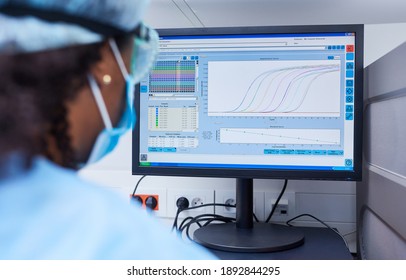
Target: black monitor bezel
[[341, 175]]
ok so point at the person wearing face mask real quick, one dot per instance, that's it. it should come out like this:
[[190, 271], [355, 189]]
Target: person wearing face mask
[[67, 75]]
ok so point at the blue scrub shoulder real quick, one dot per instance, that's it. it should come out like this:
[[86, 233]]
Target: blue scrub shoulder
[[51, 213]]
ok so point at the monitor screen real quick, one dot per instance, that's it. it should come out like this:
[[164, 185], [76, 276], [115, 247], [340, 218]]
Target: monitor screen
[[253, 102]]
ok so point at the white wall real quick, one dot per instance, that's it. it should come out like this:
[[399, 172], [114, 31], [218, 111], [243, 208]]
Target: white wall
[[381, 39], [332, 202]]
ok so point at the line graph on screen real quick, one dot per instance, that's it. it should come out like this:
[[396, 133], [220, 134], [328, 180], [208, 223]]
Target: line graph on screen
[[266, 88]]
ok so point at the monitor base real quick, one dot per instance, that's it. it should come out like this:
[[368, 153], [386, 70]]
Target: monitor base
[[262, 237]]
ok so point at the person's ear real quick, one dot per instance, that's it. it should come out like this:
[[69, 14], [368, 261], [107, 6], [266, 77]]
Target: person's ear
[[106, 70]]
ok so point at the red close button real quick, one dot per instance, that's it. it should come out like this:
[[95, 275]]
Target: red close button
[[350, 48]]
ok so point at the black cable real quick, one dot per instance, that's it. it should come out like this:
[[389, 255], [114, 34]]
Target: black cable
[[320, 221], [201, 218], [207, 218], [182, 203], [181, 226], [208, 204], [175, 222], [255, 217], [277, 201], [139, 181]]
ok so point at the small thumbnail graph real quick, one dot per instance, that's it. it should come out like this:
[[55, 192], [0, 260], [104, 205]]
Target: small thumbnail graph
[[300, 88], [173, 76]]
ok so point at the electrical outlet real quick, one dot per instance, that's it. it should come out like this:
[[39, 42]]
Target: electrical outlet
[[147, 201], [195, 198], [282, 209], [160, 196], [230, 205], [285, 209], [197, 201], [224, 197]]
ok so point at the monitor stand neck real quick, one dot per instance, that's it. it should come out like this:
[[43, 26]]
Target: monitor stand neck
[[245, 203], [245, 235]]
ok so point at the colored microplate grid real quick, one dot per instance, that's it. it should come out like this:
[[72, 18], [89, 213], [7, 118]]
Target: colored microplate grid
[[173, 76]]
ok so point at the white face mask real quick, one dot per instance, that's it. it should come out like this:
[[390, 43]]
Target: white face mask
[[145, 54]]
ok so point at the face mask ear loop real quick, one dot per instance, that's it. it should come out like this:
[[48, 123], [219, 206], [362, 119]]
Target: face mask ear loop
[[124, 72], [119, 59], [99, 101]]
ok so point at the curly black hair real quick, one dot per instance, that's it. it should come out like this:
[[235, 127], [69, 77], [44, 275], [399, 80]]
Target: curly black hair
[[34, 88]]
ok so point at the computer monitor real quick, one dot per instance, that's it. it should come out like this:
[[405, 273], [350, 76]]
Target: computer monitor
[[279, 102]]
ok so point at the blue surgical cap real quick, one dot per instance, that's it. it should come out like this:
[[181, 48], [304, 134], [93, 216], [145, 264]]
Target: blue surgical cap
[[35, 25]]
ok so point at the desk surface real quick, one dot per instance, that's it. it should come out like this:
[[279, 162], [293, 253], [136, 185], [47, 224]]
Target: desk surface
[[319, 244]]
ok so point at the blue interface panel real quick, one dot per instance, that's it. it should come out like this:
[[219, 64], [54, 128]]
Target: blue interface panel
[[283, 101]]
